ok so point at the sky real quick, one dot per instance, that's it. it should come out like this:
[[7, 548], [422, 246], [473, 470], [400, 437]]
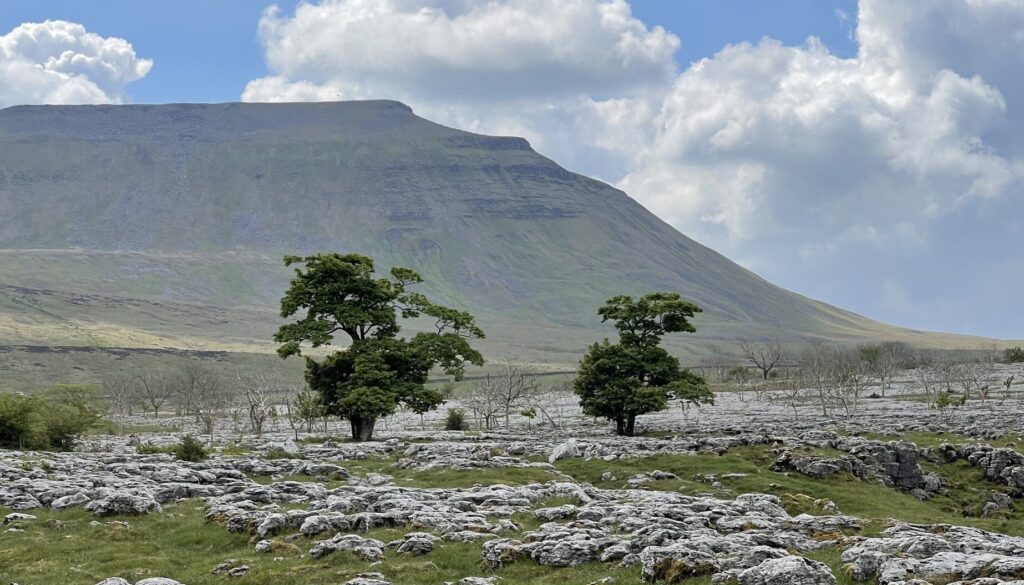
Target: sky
[[866, 153]]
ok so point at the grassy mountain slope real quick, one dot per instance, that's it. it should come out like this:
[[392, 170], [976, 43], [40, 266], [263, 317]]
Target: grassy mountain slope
[[164, 226]]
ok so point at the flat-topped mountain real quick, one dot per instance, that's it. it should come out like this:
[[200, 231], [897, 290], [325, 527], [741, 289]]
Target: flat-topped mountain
[[164, 226]]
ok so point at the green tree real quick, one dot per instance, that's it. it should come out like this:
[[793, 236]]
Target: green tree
[[379, 370], [619, 381]]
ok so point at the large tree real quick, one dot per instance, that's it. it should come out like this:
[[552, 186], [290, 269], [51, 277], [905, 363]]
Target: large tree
[[379, 370], [620, 381]]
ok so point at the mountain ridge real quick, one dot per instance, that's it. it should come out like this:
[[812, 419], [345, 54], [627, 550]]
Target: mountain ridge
[[193, 205]]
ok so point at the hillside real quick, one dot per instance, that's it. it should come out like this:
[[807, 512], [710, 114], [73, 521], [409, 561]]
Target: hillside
[[164, 227]]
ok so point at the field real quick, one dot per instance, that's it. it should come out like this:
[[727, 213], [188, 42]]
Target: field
[[736, 491]]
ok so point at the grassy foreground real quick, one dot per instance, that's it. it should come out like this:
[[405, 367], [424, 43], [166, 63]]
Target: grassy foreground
[[64, 549], [68, 548]]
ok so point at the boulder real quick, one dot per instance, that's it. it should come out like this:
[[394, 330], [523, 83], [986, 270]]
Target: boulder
[[789, 570], [675, 563], [123, 504], [564, 450]]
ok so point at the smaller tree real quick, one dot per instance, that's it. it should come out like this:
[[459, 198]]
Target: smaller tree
[[258, 392], [515, 385], [636, 376], [764, 356], [307, 409], [120, 393], [154, 388], [484, 399], [210, 398], [883, 360]]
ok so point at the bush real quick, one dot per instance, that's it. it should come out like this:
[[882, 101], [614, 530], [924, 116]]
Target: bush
[[190, 449], [455, 421], [151, 449], [1013, 355], [53, 420], [280, 453]]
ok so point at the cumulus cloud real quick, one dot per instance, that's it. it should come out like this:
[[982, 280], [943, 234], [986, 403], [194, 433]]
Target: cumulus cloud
[[808, 166], [465, 50], [533, 68], [58, 62]]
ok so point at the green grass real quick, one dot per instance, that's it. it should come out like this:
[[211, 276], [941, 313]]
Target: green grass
[[180, 545], [865, 499], [926, 439], [447, 478], [266, 480], [831, 557], [234, 449], [109, 427], [434, 478]]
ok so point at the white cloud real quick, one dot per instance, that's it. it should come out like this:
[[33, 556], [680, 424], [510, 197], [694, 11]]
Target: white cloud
[[834, 144], [547, 71], [807, 165], [466, 50], [58, 62]]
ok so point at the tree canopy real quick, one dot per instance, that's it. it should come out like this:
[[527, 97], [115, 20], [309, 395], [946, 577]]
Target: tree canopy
[[620, 381], [336, 293]]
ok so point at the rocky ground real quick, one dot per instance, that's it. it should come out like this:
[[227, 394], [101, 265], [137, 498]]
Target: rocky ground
[[743, 492]]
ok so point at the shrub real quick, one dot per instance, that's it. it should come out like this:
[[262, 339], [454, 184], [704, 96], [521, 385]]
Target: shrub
[[53, 420], [455, 420], [151, 449], [1013, 355], [280, 453], [190, 449]]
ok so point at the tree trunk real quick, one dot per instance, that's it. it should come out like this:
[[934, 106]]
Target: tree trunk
[[630, 425], [362, 427], [620, 426]]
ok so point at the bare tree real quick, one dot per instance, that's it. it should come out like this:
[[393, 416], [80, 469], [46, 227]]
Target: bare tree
[[121, 395], [210, 399], [764, 355], [187, 384], [847, 378], [815, 373], [970, 377], [791, 393], [484, 399], [516, 384], [719, 364], [154, 388], [926, 379], [884, 360], [258, 392], [548, 401], [290, 396]]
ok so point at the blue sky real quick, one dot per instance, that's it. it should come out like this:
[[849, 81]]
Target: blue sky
[[868, 153]]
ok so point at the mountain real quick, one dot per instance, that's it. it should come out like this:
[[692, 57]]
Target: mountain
[[163, 226]]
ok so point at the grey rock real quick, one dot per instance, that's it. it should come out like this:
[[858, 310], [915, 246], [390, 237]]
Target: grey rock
[[789, 570], [676, 562], [17, 516], [565, 450]]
